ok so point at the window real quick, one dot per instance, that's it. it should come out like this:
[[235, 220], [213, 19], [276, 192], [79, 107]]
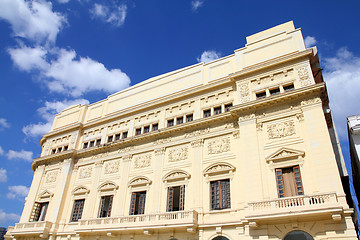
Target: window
[[155, 127], [59, 149], [39, 212], [217, 110], [220, 194], [146, 129], [170, 122], [125, 134], [261, 95], [289, 88], [66, 148], [228, 106], [85, 145], [298, 235], [110, 139], [189, 118], [92, 143], [98, 142], [289, 182], [105, 206], [117, 136], [179, 120], [274, 91], [53, 151], [176, 197], [137, 131], [137, 205], [77, 210], [207, 113]]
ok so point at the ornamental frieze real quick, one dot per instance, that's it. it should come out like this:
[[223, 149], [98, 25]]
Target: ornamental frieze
[[244, 92], [197, 133], [219, 146], [142, 161], [51, 176], [280, 130], [111, 167], [304, 76], [85, 172], [178, 154]]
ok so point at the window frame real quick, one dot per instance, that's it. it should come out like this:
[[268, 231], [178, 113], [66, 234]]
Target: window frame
[[220, 194], [78, 215]]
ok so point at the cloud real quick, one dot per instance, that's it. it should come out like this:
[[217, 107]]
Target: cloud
[[3, 175], [208, 56], [24, 155], [4, 217], [17, 192], [196, 4], [63, 1], [342, 76], [310, 41], [3, 124], [47, 112], [115, 15], [28, 58], [1, 151], [33, 19]]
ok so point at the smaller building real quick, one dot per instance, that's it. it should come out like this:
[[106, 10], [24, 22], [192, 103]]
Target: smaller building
[[2, 233]]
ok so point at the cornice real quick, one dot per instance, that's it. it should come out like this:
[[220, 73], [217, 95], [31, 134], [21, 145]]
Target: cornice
[[51, 158], [61, 130]]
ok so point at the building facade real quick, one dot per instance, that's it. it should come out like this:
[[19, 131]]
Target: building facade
[[238, 148], [353, 127]]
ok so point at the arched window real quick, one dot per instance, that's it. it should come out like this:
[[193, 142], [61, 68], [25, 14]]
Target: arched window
[[220, 238], [298, 235]]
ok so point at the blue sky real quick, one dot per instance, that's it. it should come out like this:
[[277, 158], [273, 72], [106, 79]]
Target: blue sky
[[57, 53]]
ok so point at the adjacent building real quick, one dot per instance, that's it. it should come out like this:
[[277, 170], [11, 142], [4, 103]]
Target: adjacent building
[[239, 148]]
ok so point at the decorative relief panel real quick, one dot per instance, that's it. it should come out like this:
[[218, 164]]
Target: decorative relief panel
[[85, 172], [219, 146], [197, 133], [162, 141], [51, 176], [111, 167], [310, 101], [244, 92], [280, 130], [178, 154], [304, 76], [142, 161]]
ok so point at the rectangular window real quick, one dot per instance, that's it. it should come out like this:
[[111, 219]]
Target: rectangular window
[[85, 145], [92, 143], [228, 106], [289, 182], [220, 194], [53, 151], [66, 148], [155, 127], [39, 212], [98, 142], [59, 149], [110, 139], [176, 197], [189, 118], [289, 88], [274, 91], [137, 205], [105, 206], [117, 136], [207, 113], [146, 129], [170, 122], [77, 210], [217, 110], [125, 134], [179, 120], [261, 95], [137, 131]]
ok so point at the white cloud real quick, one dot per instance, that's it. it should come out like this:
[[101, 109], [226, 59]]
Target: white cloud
[[115, 15], [310, 41], [24, 155], [195, 4], [342, 76], [4, 124], [4, 217], [28, 58], [1, 151], [208, 56], [47, 112], [17, 192], [3, 175], [63, 1], [32, 19]]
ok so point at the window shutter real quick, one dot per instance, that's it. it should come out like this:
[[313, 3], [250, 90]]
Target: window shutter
[[78, 209], [170, 198], [215, 195], [132, 203], [227, 195], [102, 207], [182, 197], [35, 212], [142, 203], [109, 206], [298, 182], [280, 183]]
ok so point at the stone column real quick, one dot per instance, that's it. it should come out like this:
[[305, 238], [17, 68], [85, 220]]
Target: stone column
[[197, 176]]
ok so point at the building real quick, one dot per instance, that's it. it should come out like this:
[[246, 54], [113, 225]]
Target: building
[[2, 233], [239, 148]]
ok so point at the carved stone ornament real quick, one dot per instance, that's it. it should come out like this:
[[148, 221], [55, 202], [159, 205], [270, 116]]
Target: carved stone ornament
[[304, 76], [176, 175], [100, 155], [280, 130], [259, 126], [197, 133], [236, 134], [197, 143], [310, 101], [160, 151], [300, 116], [219, 146], [111, 167], [244, 92], [178, 154], [108, 186], [162, 141], [85, 172], [80, 190], [142, 161], [46, 194], [285, 153], [127, 149], [138, 181], [217, 168], [51, 176], [246, 117]]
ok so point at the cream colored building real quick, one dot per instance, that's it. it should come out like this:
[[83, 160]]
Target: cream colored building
[[238, 148]]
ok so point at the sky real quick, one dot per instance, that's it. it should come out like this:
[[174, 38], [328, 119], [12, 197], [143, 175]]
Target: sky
[[54, 54]]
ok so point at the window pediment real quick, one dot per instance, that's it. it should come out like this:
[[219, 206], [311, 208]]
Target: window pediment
[[139, 181], [80, 190], [108, 186], [176, 175], [219, 168], [284, 154], [46, 194]]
